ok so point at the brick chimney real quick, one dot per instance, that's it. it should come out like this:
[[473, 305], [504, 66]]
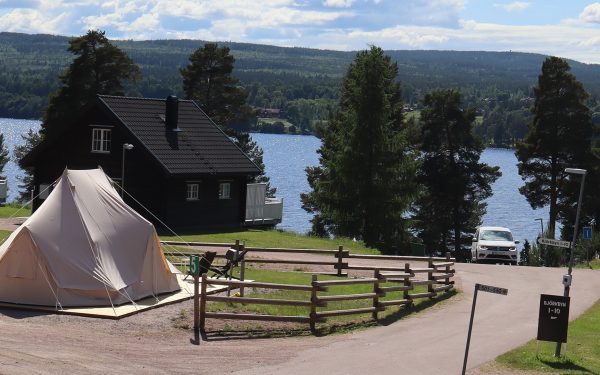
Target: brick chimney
[[172, 113]]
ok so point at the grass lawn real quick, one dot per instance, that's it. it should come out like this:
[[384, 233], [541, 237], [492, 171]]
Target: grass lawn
[[593, 265], [12, 210], [276, 238], [333, 324], [582, 355], [4, 235]]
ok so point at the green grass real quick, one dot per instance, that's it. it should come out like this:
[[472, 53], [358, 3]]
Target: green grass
[[13, 209], [333, 324], [594, 264], [278, 239], [4, 235], [582, 355]]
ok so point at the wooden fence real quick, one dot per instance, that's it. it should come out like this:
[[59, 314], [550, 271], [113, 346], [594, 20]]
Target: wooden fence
[[438, 280], [339, 263]]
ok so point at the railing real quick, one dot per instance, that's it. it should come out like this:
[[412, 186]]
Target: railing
[[339, 263], [438, 280]]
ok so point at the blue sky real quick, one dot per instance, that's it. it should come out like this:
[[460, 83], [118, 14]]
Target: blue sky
[[563, 28]]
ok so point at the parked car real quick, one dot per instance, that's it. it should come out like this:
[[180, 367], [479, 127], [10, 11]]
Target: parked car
[[494, 245]]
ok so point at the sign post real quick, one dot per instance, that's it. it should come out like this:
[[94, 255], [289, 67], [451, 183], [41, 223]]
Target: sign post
[[194, 270], [483, 288]]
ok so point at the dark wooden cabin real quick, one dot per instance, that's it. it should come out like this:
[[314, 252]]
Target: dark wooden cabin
[[181, 167]]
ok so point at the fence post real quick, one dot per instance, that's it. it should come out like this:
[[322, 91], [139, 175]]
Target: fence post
[[430, 276], [242, 270], [447, 271], [313, 304], [196, 302], [340, 256], [202, 301], [376, 290], [407, 282]]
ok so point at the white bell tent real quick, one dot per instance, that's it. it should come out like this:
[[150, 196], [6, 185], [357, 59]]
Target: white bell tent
[[84, 247]]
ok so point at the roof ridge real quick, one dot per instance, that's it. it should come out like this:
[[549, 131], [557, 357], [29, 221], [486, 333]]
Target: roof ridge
[[138, 98]]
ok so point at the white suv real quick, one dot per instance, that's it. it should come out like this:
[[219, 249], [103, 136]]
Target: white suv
[[494, 245]]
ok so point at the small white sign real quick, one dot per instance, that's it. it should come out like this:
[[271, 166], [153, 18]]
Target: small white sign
[[552, 242]]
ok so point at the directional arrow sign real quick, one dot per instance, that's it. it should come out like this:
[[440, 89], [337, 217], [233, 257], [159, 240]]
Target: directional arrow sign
[[552, 242], [491, 289]]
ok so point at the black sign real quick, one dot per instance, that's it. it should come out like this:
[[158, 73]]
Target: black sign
[[554, 318]]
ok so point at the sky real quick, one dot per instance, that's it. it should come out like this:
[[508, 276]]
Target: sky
[[566, 28]]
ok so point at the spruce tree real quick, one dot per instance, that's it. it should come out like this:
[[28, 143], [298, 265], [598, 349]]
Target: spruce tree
[[3, 154], [208, 80], [31, 139], [455, 182], [364, 183], [559, 137]]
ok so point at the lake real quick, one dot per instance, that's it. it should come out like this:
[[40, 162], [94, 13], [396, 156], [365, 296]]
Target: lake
[[286, 157]]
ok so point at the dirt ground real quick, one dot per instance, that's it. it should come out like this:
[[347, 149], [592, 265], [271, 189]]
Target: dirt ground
[[160, 341]]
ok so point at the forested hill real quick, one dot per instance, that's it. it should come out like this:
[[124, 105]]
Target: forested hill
[[292, 79]]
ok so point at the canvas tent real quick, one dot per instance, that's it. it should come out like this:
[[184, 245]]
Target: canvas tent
[[84, 247]]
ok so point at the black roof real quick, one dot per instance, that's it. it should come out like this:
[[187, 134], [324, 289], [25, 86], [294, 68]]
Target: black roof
[[199, 147]]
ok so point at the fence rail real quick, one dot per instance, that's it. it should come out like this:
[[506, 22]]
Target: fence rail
[[438, 281]]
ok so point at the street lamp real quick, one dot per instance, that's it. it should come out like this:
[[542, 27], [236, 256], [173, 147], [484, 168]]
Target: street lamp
[[126, 147], [582, 173]]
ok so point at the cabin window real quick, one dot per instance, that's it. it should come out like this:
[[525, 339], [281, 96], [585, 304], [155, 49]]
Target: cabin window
[[224, 190], [193, 191], [101, 140]]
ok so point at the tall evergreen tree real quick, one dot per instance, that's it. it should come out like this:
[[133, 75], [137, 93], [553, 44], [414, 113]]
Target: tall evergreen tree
[[456, 183], [364, 183], [559, 136], [98, 68], [31, 139], [3, 154], [208, 80]]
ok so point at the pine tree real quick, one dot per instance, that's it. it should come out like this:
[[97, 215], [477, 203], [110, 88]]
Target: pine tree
[[455, 182], [208, 80], [31, 139], [559, 136], [98, 68], [364, 183]]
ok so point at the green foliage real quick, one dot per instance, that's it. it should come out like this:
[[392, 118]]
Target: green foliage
[[3, 154], [26, 186], [98, 68], [14, 210], [364, 185], [559, 136], [582, 356], [455, 182], [209, 81]]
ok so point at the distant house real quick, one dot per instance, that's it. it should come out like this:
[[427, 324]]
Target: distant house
[[172, 159], [272, 113]]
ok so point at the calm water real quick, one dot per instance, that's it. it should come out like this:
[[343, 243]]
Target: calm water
[[286, 157]]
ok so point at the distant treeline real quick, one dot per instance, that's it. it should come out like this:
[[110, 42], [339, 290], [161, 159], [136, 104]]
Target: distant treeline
[[300, 81]]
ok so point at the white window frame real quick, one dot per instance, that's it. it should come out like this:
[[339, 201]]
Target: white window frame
[[224, 189], [193, 191], [101, 140]]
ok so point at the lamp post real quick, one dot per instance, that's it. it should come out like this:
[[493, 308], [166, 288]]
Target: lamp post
[[126, 147], [582, 173]]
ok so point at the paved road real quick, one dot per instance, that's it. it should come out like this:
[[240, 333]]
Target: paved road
[[433, 342]]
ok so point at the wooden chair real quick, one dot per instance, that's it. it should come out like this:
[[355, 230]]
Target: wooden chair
[[205, 263], [233, 258]]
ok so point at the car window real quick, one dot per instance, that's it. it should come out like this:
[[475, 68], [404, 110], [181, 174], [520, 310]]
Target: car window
[[496, 235]]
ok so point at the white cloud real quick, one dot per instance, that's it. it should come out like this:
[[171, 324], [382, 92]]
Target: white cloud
[[32, 21], [515, 6], [339, 3], [591, 13]]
